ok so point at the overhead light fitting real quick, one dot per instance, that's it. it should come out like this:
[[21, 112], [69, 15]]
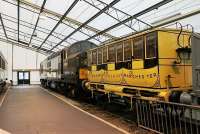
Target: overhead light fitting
[[166, 19], [34, 34], [43, 16]]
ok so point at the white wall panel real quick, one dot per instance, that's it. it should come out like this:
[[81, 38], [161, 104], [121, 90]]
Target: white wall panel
[[34, 77], [22, 59]]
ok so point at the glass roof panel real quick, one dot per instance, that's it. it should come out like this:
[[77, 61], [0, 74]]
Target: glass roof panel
[[99, 22], [47, 23], [63, 30], [28, 16], [82, 12], [60, 6], [8, 9], [120, 31]]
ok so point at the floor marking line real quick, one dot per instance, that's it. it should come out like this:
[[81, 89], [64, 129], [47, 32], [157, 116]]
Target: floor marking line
[[4, 97], [96, 117]]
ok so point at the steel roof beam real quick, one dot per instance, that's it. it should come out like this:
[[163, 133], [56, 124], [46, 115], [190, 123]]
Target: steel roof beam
[[128, 15], [70, 20], [41, 10], [14, 42], [18, 17], [32, 28], [4, 30], [55, 20], [88, 21], [156, 6], [37, 39], [93, 5], [61, 19]]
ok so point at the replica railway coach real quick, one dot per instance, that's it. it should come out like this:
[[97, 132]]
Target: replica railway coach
[[154, 65]]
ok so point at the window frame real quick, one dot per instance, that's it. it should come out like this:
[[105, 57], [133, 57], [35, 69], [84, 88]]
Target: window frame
[[114, 54], [92, 57], [89, 58], [116, 47], [156, 45], [105, 47], [133, 48], [124, 49], [98, 56]]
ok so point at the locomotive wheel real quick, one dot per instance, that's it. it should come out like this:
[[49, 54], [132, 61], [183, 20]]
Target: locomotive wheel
[[72, 93], [66, 90]]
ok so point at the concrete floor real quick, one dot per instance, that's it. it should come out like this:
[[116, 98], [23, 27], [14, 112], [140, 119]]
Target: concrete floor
[[31, 110]]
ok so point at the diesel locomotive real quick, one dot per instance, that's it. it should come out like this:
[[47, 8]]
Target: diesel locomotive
[[3, 72], [64, 71], [154, 65]]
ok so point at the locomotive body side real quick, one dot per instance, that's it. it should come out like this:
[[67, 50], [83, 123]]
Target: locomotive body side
[[146, 65], [65, 70], [75, 66]]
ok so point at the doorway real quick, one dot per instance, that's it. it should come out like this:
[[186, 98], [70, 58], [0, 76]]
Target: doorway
[[23, 77]]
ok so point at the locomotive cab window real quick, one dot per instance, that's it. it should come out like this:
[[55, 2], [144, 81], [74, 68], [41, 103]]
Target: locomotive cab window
[[151, 45], [111, 53], [100, 56], [138, 48], [94, 57], [119, 49], [127, 50]]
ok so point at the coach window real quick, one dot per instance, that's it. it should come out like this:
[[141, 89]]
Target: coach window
[[151, 45], [119, 49], [127, 50], [94, 57], [100, 56], [111, 53], [138, 48], [105, 54]]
